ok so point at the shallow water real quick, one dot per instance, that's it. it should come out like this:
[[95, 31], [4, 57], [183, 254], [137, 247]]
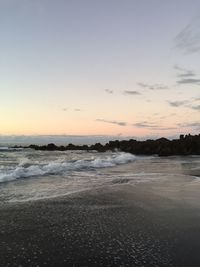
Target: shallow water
[[31, 175]]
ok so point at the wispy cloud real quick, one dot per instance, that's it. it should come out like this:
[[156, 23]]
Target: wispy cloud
[[167, 116], [120, 123], [188, 40], [153, 126], [186, 76], [68, 109], [196, 107], [184, 73], [153, 86], [129, 92], [146, 124], [184, 103], [109, 91], [178, 103], [189, 81], [189, 124]]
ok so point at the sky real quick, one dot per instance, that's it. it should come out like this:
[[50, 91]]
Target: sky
[[100, 67]]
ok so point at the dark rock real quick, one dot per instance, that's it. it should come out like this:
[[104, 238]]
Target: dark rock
[[185, 145]]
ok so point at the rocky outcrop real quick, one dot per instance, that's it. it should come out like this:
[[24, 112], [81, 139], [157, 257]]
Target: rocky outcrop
[[185, 145]]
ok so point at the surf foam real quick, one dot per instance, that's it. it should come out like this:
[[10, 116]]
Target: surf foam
[[53, 168]]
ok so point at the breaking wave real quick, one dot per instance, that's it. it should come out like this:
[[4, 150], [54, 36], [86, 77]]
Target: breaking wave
[[54, 167]]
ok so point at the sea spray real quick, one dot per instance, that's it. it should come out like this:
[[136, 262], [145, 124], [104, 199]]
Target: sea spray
[[55, 167]]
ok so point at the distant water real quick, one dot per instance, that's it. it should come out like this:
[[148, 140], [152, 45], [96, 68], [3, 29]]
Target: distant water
[[56, 139], [26, 174]]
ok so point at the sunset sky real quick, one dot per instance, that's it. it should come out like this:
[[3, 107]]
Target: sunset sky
[[99, 67]]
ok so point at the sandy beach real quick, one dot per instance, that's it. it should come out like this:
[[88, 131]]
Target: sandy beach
[[100, 133], [150, 224]]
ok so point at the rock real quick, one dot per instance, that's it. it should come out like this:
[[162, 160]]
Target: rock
[[185, 145]]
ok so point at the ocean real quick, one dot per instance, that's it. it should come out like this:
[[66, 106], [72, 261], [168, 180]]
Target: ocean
[[26, 174]]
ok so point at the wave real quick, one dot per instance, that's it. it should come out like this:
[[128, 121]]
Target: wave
[[53, 168]]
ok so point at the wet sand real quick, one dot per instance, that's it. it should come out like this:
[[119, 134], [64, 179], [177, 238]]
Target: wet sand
[[151, 224]]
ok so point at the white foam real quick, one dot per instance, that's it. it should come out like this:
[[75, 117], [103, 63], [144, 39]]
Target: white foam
[[55, 167], [4, 148]]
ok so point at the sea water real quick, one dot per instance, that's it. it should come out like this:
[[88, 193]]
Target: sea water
[[26, 174]]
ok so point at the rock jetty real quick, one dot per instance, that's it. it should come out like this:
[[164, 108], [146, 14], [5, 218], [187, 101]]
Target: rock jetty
[[185, 145]]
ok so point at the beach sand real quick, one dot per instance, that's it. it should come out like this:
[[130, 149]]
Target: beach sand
[[149, 224]]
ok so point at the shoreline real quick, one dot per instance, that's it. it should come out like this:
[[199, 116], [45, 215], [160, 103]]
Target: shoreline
[[185, 145], [153, 224]]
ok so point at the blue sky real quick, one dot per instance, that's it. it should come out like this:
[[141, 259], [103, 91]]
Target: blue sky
[[99, 67]]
